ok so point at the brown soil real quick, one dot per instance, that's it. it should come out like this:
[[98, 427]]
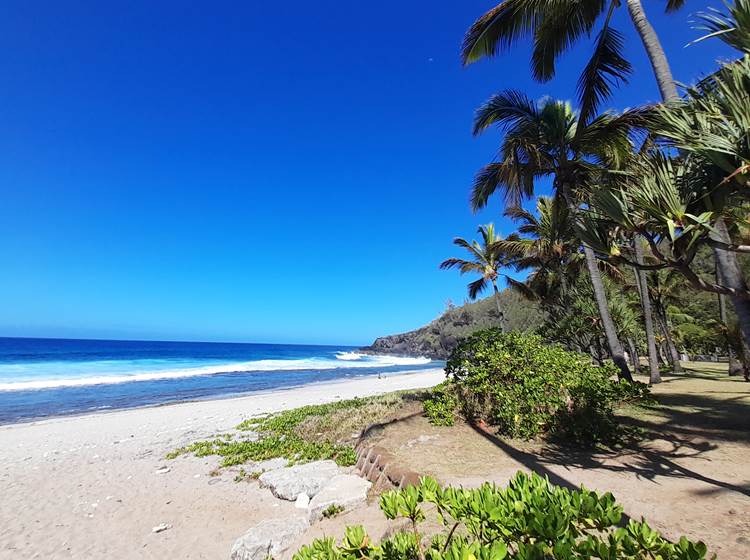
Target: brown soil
[[688, 476]]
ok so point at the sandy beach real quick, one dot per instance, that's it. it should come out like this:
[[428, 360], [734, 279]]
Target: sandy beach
[[88, 486]]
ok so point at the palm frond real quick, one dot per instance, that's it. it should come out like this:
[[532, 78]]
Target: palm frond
[[523, 289], [732, 27], [518, 214], [477, 287], [561, 25], [516, 180], [674, 5], [608, 138], [499, 28], [472, 247], [606, 69], [507, 109]]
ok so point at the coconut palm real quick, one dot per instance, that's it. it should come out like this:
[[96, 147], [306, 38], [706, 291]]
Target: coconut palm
[[485, 261], [545, 244], [549, 140], [556, 26]]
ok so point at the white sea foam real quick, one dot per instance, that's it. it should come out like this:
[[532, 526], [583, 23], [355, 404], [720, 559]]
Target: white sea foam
[[343, 360], [348, 356]]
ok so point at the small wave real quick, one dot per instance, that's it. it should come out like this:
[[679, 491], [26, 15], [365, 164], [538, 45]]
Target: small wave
[[401, 360], [349, 356], [351, 360], [382, 360]]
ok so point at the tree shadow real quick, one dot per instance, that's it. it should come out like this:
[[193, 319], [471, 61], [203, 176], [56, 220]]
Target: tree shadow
[[532, 462], [691, 415], [682, 426]]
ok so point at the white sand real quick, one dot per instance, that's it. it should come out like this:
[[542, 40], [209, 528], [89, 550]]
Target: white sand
[[87, 486]]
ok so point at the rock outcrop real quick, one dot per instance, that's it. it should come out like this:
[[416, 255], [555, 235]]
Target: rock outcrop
[[437, 339]]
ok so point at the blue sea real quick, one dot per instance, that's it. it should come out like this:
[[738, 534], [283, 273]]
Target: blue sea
[[54, 377]]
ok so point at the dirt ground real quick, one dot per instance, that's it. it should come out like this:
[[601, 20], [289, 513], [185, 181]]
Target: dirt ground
[[688, 476]]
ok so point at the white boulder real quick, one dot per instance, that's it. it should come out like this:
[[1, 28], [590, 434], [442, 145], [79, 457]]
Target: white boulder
[[346, 491], [268, 539], [302, 501], [290, 482]]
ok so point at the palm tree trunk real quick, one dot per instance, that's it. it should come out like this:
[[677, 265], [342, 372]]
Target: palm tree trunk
[[731, 275], [654, 50], [500, 313], [735, 367], [615, 348], [664, 326], [634, 359], [610, 332], [726, 261], [648, 318], [663, 355]]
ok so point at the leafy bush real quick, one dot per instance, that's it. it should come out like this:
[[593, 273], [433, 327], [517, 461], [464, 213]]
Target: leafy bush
[[530, 519], [526, 387], [441, 406]]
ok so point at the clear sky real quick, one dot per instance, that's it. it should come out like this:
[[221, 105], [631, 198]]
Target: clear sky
[[252, 171]]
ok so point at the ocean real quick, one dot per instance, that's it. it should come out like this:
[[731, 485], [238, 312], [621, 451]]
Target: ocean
[[40, 378]]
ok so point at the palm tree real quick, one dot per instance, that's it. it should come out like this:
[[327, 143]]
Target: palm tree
[[545, 244], [556, 26], [486, 262], [648, 317], [550, 140], [727, 92], [678, 204], [664, 289]]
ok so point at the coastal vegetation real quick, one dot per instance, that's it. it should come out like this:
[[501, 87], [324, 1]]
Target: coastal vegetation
[[529, 519], [438, 338], [300, 435], [524, 388], [646, 205], [639, 245], [651, 201]]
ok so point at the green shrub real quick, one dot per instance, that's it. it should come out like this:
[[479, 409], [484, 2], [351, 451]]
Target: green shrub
[[531, 519], [441, 405], [526, 388], [332, 511]]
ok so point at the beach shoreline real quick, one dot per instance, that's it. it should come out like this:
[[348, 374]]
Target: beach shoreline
[[226, 397], [87, 485]]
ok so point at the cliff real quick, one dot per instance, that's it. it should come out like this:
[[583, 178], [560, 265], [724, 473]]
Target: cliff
[[438, 338]]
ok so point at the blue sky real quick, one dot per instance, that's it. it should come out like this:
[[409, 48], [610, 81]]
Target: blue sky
[[252, 171]]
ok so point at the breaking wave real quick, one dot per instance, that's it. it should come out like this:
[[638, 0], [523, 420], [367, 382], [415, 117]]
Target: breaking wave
[[84, 374]]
